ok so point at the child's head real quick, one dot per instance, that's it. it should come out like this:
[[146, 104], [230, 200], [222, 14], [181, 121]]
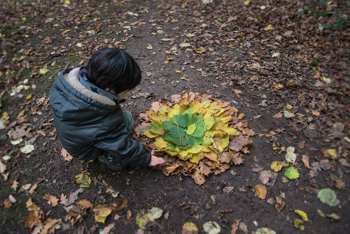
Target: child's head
[[113, 69]]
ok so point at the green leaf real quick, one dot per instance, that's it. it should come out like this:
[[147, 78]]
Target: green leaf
[[156, 128], [291, 173], [194, 141], [328, 196], [180, 120], [168, 124], [191, 128]]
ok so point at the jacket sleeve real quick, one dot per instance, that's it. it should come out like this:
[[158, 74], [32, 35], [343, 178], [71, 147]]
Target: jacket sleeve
[[121, 147]]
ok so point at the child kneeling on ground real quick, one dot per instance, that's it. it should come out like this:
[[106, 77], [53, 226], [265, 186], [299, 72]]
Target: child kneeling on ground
[[87, 114]]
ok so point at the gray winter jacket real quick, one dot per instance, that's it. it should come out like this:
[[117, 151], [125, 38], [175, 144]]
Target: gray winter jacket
[[89, 124]]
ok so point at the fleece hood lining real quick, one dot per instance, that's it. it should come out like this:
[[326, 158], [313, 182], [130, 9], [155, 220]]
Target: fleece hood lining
[[73, 79]]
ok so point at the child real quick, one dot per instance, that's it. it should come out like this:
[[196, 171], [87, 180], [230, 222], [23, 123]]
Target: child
[[87, 115]]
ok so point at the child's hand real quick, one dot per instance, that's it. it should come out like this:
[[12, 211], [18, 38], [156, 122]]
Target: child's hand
[[155, 160]]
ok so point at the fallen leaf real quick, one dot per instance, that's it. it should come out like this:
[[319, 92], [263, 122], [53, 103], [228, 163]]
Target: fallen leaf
[[128, 214], [276, 166], [280, 204], [189, 228], [243, 227], [107, 229], [260, 191], [298, 223], [101, 213], [265, 230], [288, 114], [305, 160], [27, 149], [66, 155], [211, 227], [302, 214], [290, 156], [235, 226], [328, 196], [291, 173], [51, 199]]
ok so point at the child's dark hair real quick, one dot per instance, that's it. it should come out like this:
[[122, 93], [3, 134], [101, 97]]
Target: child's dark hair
[[114, 69]]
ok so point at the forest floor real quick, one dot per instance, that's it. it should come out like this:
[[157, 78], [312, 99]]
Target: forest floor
[[284, 64]]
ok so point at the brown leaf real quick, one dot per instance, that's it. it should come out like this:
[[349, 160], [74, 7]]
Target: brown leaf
[[301, 144], [119, 206], [35, 215], [305, 160], [228, 190], [85, 204], [64, 200], [107, 229], [128, 214], [243, 227], [31, 190], [116, 217], [14, 185], [280, 204], [66, 155], [237, 159], [141, 128], [48, 224], [166, 216], [235, 226], [51, 199], [20, 132]]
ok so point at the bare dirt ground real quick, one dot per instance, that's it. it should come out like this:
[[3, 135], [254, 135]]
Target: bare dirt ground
[[284, 64]]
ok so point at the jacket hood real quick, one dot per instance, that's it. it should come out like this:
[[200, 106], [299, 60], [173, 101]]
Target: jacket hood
[[83, 101]]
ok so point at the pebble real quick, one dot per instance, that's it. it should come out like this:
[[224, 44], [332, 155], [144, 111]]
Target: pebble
[[208, 206]]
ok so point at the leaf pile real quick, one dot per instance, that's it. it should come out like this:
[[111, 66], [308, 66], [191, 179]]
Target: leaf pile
[[195, 134]]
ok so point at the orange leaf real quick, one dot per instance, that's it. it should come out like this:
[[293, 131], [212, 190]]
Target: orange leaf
[[260, 191]]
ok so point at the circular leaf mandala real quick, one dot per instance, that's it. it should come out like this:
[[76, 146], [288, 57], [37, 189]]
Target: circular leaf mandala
[[195, 134]]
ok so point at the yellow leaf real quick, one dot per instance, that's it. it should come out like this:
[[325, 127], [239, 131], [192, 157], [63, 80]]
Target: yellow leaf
[[277, 86], [206, 104], [289, 107], [221, 143], [101, 213], [232, 132], [195, 149], [276, 166], [21, 113], [149, 134], [332, 153], [302, 214], [196, 106], [184, 102], [209, 121], [68, 30], [269, 27], [29, 96], [178, 71], [56, 25], [201, 50], [196, 158], [321, 213], [5, 116], [226, 119], [183, 153], [66, 2], [298, 223], [163, 110], [260, 191], [174, 111], [191, 128], [160, 143], [43, 71], [221, 126], [220, 112], [247, 2]]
